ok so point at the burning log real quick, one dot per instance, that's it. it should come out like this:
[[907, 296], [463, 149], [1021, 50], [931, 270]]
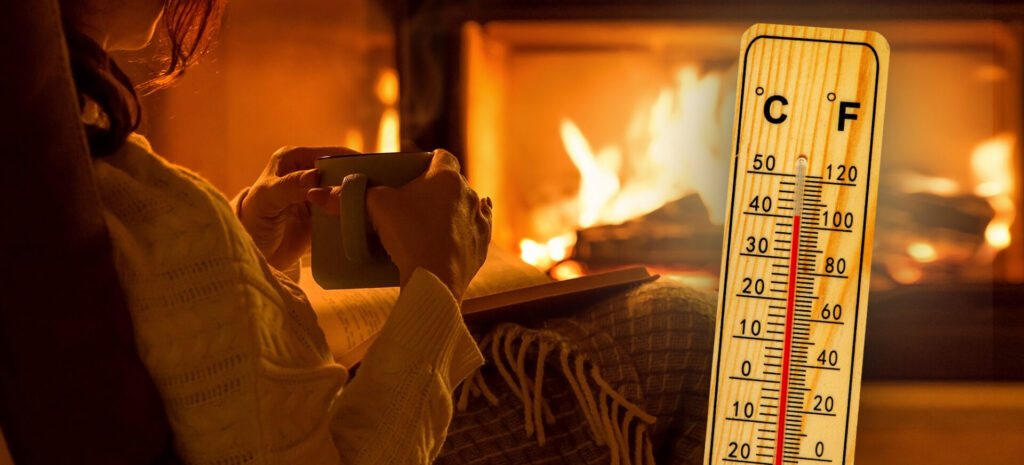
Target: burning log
[[679, 233]]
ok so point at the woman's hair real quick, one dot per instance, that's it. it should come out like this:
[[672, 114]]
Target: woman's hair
[[188, 24]]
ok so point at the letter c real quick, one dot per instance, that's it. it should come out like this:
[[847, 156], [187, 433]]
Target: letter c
[[768, 109]]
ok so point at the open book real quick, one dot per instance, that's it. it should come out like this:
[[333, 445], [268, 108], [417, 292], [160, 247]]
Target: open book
[[504, 289]]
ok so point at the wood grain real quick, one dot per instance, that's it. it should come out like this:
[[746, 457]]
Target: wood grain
[[803, 92]]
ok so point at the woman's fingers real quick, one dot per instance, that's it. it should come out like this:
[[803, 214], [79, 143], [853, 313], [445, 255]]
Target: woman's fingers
[[486, 209], [274, 211], [443, 160], [328, 199], [280, 193], [435, 222], [294, 185], [288, 159]]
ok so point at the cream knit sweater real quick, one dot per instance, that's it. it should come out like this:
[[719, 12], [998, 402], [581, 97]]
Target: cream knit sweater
[[234, 348]]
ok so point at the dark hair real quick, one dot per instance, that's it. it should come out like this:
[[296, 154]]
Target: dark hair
[[188, 26]]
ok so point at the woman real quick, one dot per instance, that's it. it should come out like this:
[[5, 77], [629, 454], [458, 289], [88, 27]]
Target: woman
[[243, 369], [233, 345]]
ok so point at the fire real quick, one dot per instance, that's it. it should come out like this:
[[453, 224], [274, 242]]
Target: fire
[[387, 135], [545, 255], [387, 87], [679, 146], [386, 90], [992, 164], [559, 247], [387, 93], [534, 253], [599, 181], [676, 145]]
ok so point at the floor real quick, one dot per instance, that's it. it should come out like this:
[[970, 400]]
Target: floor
[[941, 423]]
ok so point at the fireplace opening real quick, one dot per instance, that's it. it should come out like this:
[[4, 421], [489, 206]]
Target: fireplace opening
[[606, 144]]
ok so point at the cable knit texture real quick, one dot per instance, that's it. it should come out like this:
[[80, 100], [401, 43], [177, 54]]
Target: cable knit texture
[[234, 348]]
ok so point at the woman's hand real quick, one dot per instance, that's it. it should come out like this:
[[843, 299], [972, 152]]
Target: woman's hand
[[275, 212], [436, 222]]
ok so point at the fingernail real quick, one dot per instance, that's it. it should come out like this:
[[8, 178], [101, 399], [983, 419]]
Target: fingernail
[[310, 178], [316, 196]]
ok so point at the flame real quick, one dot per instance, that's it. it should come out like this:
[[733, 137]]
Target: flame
[[544, 255], [997, 233], [560, 247], [387, 92], [676, 145], [387, 87], [598, 179], [387, 135], [992, 164], [534, 253]]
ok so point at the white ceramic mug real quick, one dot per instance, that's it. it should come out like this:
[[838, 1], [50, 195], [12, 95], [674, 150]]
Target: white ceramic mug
[[346, 253]]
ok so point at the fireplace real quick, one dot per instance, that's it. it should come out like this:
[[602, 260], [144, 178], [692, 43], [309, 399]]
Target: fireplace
[[594, 137], [582, 128], [602, 133]]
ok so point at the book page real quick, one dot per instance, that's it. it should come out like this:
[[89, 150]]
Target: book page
[[350, 317]]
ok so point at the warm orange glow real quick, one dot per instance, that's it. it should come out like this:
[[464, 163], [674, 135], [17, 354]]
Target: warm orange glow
[[387, 87], [918, 183], [387, 135], [560, 247], [354, 140], [992, 164], [905, 274], [676, 153], [673, 149], [544, 255], [922, 252], [991, 73], [599, 181], [387, 92], [998, 235], [567, 270], [534, 253]]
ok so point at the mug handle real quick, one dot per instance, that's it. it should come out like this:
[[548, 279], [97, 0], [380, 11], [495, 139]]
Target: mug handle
[[353, 218]]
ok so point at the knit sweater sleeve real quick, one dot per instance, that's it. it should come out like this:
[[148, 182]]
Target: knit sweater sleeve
[[423, 352], [234, 347]]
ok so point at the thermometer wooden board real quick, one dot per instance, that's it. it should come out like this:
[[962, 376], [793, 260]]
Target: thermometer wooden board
[[789, 342]]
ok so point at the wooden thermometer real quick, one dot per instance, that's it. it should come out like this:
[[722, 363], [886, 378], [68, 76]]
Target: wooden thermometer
[[789, 343]]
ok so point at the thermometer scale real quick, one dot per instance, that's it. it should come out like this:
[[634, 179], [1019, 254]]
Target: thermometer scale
[[789, 342]]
